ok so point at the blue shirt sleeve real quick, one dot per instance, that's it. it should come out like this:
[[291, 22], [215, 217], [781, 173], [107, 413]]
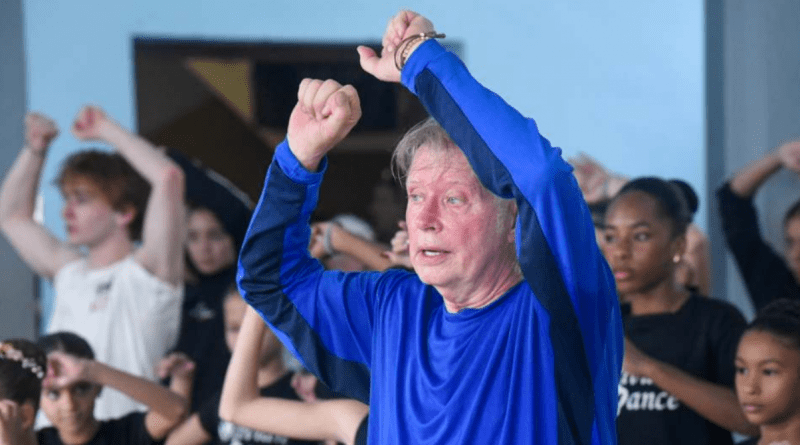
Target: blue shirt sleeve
[[323, 317]]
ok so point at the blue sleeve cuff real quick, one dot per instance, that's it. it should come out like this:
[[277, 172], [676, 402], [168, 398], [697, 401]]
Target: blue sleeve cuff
[[294, 169], [419, 59]]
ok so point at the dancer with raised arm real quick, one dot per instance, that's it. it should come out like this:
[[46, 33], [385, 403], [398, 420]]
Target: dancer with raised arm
[[123, 299], [509, 332]]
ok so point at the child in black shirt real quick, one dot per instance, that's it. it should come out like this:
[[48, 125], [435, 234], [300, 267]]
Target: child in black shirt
[[768, 373], [74, 379]]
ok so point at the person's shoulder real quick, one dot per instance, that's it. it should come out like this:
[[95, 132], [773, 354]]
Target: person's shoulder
[[715, 309], [76, 266], [133, 268]]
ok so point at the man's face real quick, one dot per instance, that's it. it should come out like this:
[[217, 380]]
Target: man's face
[[88, 216], [458, 240]]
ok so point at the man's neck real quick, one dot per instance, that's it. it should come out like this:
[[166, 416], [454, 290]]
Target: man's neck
[[488, 292], [110, 251]]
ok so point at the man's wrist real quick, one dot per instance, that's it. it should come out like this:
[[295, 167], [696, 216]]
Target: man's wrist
[[410, 44], [38, 152]]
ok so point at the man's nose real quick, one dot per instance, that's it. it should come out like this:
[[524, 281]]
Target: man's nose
[[428, 217], [68, 211]]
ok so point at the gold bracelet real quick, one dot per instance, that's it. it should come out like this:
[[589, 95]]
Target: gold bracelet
[[404, 46]]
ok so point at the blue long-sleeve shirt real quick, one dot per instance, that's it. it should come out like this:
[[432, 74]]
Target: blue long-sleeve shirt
[[539, 365]]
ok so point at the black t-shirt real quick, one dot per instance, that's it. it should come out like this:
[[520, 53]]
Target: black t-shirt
[[128, 430], [764, 271], [701, 339], [229, 433], [202, 333]]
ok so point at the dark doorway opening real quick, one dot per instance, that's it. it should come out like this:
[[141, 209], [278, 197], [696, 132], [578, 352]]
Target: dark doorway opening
[[227, 104]]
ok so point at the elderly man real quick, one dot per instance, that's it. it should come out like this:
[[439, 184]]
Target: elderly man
[[510, 332]]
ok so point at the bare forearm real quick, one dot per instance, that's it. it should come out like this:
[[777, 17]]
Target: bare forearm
[[714, 402], [146, 159], [747, 181], [158, 398], [241, 384], [18, 192], [367, 252]]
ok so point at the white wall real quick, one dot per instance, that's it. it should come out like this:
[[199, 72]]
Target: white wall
[[620, 80]]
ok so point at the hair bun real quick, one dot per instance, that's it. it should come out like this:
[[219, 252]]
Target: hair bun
[[688, 193]]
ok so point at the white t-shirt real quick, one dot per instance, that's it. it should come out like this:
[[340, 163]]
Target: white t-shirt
[[129, 317]]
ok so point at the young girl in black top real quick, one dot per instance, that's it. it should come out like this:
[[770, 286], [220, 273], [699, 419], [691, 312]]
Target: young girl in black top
[[22, 368], [74, 379], [679, 347], [768, 373]]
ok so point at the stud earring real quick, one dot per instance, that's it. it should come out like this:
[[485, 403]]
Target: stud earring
[[676, 259]]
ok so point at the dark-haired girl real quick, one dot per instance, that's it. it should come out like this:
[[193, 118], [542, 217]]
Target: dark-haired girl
[[679, 348], [599, 185], [766, 274], [768, 373], [74, 379], [217, 217], [22, 368]]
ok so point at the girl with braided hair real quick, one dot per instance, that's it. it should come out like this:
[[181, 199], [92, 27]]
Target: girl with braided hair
[[768, 373], [22, 367]]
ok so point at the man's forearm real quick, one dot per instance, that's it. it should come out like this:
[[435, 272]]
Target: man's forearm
[[148, 161], [18, 192]]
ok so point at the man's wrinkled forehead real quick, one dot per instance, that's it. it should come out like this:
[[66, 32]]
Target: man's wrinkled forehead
[[440, 163]]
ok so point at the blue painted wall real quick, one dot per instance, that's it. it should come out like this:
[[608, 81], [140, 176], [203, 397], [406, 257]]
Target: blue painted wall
[[620, 80]]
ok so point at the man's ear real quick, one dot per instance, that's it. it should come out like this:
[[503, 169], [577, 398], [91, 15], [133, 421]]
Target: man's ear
[[126, 215], [512, 232]]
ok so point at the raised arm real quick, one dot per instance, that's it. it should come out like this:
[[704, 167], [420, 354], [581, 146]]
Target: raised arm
[[43, 252], [748, 180], [323, 318], [765, 271], [166, 409], [241, 403], [162, 234]]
